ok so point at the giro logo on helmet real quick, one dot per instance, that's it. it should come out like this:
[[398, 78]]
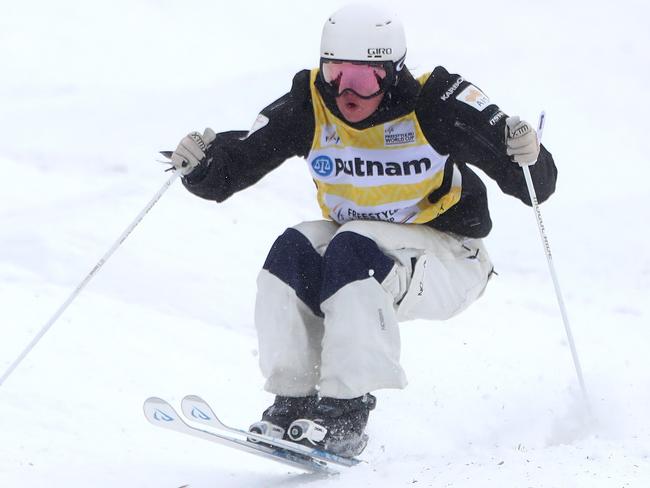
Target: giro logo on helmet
[[378, 52]]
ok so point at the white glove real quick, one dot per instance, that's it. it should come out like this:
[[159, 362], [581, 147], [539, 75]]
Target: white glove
[[521, 141], [191, 151]]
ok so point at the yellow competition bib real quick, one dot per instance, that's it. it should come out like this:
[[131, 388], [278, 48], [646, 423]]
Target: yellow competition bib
[[386, 172]]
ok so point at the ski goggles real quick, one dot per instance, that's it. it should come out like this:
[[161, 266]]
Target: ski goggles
[[365, 79]]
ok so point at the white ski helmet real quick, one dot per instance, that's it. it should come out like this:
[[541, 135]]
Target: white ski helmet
[[363, 33]]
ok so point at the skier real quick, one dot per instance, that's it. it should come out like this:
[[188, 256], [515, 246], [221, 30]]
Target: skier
[[403, 218]]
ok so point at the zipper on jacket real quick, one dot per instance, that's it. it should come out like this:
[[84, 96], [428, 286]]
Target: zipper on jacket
[[479, 137]]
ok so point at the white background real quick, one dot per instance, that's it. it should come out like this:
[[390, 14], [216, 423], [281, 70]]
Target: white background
[[90, 91]]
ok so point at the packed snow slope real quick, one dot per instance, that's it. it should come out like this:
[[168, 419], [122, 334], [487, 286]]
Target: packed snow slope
[[90, 91]]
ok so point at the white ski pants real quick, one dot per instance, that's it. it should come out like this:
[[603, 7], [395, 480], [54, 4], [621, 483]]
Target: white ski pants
[[330, 298]]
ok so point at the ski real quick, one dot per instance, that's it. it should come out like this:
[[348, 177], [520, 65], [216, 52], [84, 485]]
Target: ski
[[198, 410], [162, 414]]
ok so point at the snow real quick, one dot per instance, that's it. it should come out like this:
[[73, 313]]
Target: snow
[[91, 91]]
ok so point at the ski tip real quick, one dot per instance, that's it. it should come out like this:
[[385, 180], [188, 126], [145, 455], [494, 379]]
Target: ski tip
[[154, 400], [195, 408], [157, 410], [193, 398]]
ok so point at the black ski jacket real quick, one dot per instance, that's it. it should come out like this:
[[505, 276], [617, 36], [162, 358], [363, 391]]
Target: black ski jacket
[[237, 159]]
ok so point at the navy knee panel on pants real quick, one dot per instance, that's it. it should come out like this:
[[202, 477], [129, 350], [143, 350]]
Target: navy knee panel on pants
[[294, 261], [352, 257], [349, 257]]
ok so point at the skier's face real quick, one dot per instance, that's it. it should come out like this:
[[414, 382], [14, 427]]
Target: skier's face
[[354, 108], [359, 87], [366, 79]]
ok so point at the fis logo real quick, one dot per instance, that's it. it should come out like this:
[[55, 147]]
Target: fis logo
[[329, 136]]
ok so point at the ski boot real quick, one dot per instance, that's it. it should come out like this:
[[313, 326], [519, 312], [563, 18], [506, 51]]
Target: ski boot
[[278, 417], [335, 425]]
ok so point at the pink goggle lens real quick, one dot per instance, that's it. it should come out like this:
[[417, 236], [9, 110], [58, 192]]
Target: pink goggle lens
[[363, 79]]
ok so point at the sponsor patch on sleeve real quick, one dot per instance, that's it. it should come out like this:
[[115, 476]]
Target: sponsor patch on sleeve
[[474, 97], [260, 121]]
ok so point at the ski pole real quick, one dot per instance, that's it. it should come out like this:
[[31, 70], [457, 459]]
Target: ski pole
[[551, 267], [89, 276]]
